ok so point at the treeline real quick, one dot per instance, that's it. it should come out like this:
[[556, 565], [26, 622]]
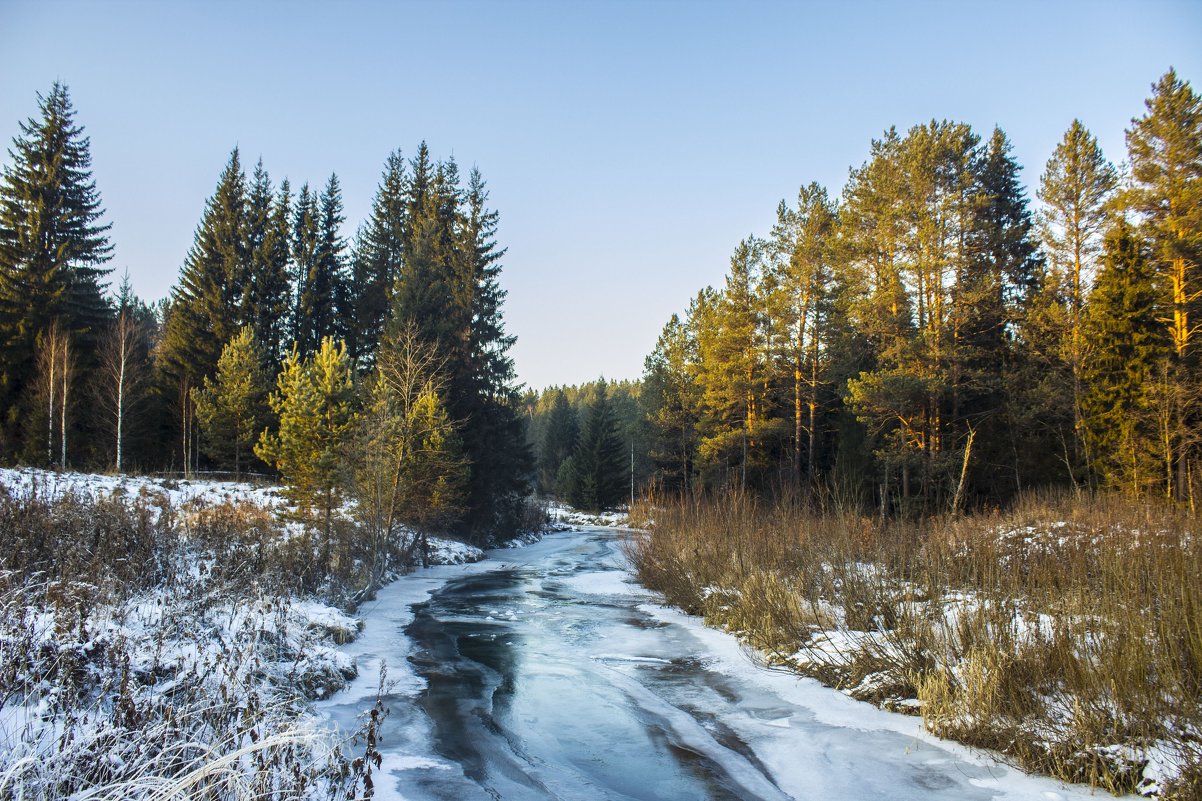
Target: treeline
[[590, 442], [929, 341], [378, 366]]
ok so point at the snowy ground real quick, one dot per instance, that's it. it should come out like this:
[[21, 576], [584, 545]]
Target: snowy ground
[[180, 492], [563, 515], [188, 493], [181, 645]]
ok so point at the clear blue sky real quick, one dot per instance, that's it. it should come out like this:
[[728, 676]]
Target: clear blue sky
[[628, 146]]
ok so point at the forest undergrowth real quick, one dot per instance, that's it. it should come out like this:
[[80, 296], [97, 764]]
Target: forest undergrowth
[[1064, 634], [152, 651]]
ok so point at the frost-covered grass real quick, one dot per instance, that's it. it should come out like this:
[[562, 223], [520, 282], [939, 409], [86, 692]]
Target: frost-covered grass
[[165, 639], [1065, 635], [563, 515]]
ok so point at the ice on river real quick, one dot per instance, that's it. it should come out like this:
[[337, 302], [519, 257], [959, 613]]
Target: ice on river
[[547, 673]]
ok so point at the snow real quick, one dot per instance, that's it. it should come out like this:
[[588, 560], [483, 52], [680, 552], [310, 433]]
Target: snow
[[452, 552], [190, 494], [179, 492], [196, 636], [565, 515], [781, 753], [609, 582]]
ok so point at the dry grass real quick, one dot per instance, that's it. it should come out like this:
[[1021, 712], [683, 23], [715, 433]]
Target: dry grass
[[1065, 634], [148, 651]]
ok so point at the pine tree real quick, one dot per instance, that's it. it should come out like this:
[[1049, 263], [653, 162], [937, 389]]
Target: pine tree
[[52, 247], [1076, 187], [599, 478], [882, 400], [1128, 344], [736, 425], [1166, 170], [1165, 148], [313, 401], [941, 161], [799, 302], [231, 407]]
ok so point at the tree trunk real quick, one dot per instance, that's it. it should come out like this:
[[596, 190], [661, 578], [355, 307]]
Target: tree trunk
[[66, 390], [958, 498], [122, 357], [50, 415], [797, 419]]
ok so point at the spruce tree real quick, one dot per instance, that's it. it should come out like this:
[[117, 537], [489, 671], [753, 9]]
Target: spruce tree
[[1128, 344], [52, 248], [307, 281], [209, 303], [448, 290], [268, 287], [497, 447], [331, 306], [377, 261], [598, 479], [671, 402], [558, 441], [992, 297]]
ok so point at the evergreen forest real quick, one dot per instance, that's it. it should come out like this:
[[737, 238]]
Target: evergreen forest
[[348, 368], [929, 340]]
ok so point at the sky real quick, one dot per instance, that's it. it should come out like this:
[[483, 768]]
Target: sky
[[628, 146]]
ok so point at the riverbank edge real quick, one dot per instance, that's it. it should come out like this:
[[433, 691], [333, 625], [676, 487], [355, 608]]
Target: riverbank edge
[[860, 668]]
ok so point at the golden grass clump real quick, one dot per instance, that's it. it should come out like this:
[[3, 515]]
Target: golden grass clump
[[1065, 633]]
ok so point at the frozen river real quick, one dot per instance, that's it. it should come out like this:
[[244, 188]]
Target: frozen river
[[544, 673]]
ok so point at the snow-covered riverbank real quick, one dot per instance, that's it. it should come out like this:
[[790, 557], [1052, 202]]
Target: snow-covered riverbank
[[538, 672], [146, 630], [546, 673]]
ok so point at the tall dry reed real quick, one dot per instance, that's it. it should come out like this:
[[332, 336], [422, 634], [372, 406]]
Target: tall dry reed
[[1065, 633]]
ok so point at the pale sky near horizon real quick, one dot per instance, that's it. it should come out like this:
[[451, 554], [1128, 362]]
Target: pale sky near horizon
[[628, 146]]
